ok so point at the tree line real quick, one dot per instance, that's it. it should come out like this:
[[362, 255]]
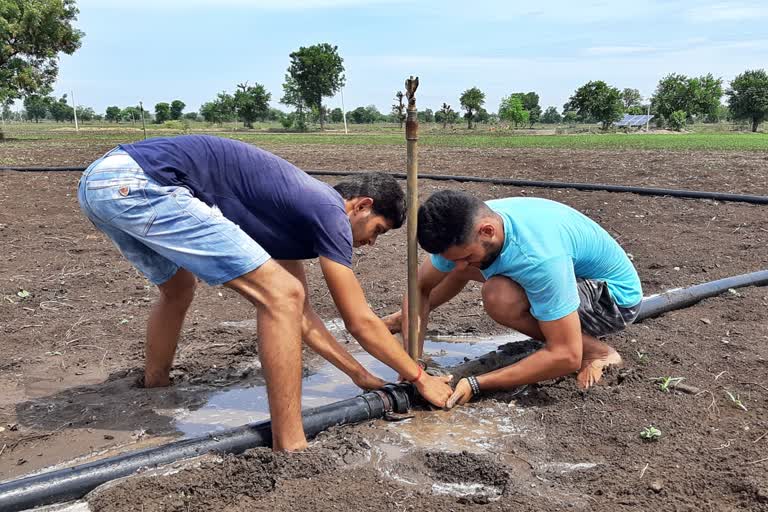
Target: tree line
[[38, 30]]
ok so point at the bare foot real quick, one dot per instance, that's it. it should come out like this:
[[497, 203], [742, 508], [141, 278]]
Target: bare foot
[[592, 366], [393, 322]]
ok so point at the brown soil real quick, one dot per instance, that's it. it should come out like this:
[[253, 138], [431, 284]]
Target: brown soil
[[71, 350]]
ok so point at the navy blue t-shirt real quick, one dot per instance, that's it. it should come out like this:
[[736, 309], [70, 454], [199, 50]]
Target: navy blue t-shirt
[[290, 214]]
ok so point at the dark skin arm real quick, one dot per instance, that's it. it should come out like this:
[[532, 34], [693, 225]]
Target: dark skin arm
[[369, 330], [560, 356]]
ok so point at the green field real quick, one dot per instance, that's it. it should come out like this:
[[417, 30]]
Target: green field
[[431, 135]]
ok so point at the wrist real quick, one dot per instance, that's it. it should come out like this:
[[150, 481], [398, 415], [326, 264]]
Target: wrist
[[419, 376], [474, 385]]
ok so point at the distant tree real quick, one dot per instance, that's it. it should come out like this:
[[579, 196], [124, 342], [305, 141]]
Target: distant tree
[[61, 111], [597, 100], [482, 116], [162, 113], [252, 103], [85, 113], [530, 102], [190, 116], [36, 106], [511, 110], [721, 113], [695, 96], [445, 115], [32, 34], [398, 108], [677, 120], [631, 98], [219, 110], [358, 116], [292, 96], [748, 97], [112, 114], [337, 116], [471, 100], [570, 116], [317, 71], [177, 107], [426, 116], [130, 114], [551, 116]]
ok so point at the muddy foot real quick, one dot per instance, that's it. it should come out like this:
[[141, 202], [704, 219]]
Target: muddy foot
[[592, 368]]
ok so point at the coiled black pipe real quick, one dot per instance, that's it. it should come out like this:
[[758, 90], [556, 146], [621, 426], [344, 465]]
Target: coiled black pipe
[[74, 483], [645, 191]]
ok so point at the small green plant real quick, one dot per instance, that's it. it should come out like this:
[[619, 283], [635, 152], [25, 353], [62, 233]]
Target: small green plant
[[666, 382], [650, 433], [677, 120], [23, 294], [642, 357], [735, 400]]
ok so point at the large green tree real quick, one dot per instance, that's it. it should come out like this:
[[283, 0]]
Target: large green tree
[[631, 98], [112, 114], [219, 110], [596, 100], [511, 110], [177, 109], [748, 97], [61, 111], [471, 100], [162, 112], [317, 72], [551, 116], [252, 103], [696, 96], [32, 34], [292, 96], [530, 101], [36, 107]]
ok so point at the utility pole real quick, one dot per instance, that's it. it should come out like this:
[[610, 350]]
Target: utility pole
[[344, 112], [74, 107], [143, 125], [412, 140]]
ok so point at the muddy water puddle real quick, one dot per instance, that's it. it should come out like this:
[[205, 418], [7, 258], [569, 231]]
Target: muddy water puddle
[[238, 405]]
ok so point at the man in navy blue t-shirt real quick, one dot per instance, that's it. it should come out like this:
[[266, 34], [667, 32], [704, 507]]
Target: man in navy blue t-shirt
[[232, 214]]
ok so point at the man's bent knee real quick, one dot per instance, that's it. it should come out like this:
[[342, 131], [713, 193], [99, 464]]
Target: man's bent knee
[[503, 298], [180, 288]]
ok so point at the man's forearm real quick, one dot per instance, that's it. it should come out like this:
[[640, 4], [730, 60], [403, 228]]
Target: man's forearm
[[322, 342], [541, 365], [376, 339]]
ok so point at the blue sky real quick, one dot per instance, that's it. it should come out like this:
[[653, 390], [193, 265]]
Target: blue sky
[[160, 50]]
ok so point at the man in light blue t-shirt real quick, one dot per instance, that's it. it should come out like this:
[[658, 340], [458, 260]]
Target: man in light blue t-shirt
[[548, 271]]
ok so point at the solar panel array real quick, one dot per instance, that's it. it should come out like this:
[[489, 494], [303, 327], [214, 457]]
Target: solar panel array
[[634, 120]]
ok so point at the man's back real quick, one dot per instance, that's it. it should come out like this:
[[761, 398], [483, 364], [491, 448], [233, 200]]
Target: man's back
[[289, 213]]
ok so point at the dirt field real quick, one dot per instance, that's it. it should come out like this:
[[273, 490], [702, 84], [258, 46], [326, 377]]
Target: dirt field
[[71, 349]]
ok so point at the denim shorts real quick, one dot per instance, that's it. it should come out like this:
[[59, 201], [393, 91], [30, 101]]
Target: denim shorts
[[598, 312], [160, 229]]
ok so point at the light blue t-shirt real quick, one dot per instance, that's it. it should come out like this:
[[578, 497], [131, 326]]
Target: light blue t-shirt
[[547, 245]]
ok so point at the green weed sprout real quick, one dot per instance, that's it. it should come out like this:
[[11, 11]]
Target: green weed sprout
[[650, 433], [735, 400], [666, 382]]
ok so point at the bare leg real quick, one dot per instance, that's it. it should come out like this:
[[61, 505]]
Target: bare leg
[[164, 326], [279, 299], [506, 302]]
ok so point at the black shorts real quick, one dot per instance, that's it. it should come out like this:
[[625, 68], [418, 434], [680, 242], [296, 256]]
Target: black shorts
[[598, 312]]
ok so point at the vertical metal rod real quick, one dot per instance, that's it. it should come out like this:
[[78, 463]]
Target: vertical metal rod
[[74, 110], [143, 125], [412, 138]]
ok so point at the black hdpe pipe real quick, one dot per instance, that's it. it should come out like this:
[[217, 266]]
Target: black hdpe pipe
[[74, 483], [645, 191], [511, 353]]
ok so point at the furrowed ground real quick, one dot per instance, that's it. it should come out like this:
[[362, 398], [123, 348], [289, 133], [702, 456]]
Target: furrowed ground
[[70, 345]]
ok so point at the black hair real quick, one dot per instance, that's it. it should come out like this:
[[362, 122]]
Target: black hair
[[447, 219], [388, 197]]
